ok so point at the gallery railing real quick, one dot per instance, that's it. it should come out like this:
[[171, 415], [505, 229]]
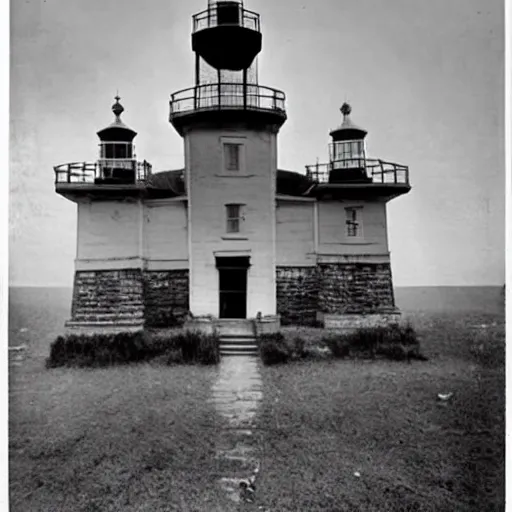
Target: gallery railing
[[215, 16], [104, 171], [227, 96], [375, 171]]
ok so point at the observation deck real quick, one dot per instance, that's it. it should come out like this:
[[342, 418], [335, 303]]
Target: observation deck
[[226, 35], [106, 177], [234, 101], [360, 178]]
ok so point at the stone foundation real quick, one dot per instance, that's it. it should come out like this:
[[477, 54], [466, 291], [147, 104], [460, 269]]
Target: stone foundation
[[355, 288], [336, 293], [166, 298], [107, 299], [127, 300], [297, 295], [352, 322]]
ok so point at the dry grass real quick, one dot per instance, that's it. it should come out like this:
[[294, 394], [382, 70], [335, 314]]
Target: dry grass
[[141, 438], [328, 420]]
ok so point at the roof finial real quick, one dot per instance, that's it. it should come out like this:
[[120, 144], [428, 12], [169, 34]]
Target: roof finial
[[117, 108], [346, 109]]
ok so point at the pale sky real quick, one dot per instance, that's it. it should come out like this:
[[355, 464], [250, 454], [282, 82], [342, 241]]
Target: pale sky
[[425, 78]]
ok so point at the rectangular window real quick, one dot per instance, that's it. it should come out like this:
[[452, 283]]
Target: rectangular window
[[232, 156], [354, 222], [234, 218]]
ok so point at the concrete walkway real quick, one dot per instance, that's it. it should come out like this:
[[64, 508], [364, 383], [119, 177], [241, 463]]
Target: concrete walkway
[[237, 395]]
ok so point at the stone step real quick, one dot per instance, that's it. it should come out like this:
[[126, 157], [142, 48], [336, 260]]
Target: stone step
[[238, 351], [238, 340], [234, 327], [239, 346]]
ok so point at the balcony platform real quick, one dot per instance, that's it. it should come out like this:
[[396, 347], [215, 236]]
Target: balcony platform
[[105, 178], [369, 178], [227, 103]]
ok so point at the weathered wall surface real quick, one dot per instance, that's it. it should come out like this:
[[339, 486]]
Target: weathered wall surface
[[165, 234], [332, 236], [295, 233], [109, 230], [339, 289], [297, 295], [209, 189], [131, 296], [355, 288], [166, 298], [108, 296]]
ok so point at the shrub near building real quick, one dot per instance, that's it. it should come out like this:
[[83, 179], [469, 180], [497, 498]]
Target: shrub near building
[[395, 342], [130, 347]]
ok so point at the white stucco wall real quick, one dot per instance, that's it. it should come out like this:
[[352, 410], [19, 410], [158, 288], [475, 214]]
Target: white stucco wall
[[295, 233], [332, 236], [165, 234], [109, 234], [210, 188]]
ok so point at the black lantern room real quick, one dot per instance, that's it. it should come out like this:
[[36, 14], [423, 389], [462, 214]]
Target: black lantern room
[[347, 151], [117, 156]]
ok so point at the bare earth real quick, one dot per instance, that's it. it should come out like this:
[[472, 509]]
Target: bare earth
[[332, 435]]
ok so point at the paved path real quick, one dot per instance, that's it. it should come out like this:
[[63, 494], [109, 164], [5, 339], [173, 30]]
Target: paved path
[[237, 395]]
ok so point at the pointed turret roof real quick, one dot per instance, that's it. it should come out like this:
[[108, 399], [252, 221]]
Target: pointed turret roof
[[348, 130], [117, 131]]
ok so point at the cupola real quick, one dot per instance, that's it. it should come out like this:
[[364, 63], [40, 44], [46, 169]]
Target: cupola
[[347, 150], [117, 153]]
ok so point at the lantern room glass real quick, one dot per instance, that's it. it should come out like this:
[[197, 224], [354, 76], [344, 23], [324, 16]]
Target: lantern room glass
[[348, 154]]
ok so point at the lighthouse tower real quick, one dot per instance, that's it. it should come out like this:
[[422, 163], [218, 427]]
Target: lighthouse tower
[[353, 259], [229, 124], [109, 194]]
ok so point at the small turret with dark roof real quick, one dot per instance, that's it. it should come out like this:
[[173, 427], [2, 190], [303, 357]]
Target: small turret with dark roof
[[348, 130], [117, 131], [117, 155]]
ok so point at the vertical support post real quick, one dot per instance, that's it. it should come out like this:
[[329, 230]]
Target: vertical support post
[[245, 88], [315, 226], [218, 88], [196, 89]]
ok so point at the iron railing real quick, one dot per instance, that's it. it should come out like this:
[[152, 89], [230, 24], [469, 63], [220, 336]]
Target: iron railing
[[209, 18], [378, 171], [227, 96], [128, 172]]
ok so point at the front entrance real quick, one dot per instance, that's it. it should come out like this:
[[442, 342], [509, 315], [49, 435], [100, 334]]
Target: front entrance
[[233, 287]]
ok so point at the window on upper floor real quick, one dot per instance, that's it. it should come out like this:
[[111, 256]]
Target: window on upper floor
[[234, 218], [232, 156], [354, 221]]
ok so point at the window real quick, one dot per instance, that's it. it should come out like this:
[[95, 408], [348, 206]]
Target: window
[[354, 221], [234, 218], [348, 154], [232, 156]]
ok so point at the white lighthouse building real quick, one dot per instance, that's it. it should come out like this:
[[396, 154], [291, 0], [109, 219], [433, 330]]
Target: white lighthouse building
[[231, 236]]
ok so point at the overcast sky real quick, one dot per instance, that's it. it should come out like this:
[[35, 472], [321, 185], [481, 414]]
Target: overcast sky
[[425, 78]]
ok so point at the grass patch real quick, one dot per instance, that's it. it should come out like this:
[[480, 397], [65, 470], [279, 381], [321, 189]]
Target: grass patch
[[143, 438], [99, 350]]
